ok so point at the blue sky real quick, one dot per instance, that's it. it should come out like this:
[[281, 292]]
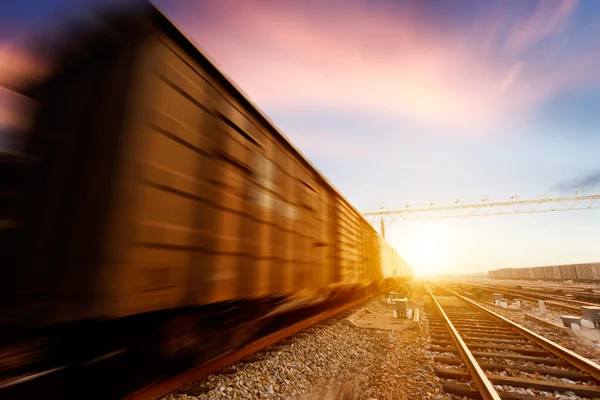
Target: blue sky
[[405, 101]]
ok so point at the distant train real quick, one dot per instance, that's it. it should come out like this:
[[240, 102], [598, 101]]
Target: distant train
[[152, 194], [587, 272]]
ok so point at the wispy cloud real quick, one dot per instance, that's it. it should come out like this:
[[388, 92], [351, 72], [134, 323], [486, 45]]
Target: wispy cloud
[[548, 19], [586, 181], [452, 74], [400, 60]]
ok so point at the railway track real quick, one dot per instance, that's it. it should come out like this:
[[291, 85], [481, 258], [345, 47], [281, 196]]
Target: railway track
[[496, 354], [551, 301]]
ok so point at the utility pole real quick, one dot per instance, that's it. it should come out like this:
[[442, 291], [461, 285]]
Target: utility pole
[[382, 223]]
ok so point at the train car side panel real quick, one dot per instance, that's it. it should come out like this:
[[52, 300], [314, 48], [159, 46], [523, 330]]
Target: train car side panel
[[568, 272], [323, 246], [196, 198], [538, 273], [348, 242]]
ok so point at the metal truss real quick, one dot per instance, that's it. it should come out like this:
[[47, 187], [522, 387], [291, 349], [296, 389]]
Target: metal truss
[[483, 209]]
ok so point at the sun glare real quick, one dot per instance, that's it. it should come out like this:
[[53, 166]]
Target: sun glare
[[427, 249]]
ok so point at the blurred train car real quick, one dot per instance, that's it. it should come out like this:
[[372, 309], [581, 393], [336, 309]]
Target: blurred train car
[[586, 272], [520, 273], [568, 272], [551, 273], [527, 273], [503, 273], [157, 194], [509, 273], [538, 273], [393, 264], [589, 272]]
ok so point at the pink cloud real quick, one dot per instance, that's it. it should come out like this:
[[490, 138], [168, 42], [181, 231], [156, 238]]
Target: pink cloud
[[16, 69], [548, 19], [18, 66], [357, 57], [354, 57]]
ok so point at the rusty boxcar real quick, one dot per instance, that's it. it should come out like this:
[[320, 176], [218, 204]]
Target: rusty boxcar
[[585, 272], [588, 272], [568, 272], [538, 273], [551, 273], [509, 273]]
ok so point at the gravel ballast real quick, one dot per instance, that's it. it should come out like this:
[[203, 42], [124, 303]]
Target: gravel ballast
[[322, 361]]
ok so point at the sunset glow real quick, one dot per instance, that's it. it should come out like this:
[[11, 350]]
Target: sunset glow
[[414, 101]]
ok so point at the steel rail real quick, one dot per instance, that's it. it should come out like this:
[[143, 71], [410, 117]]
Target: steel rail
[[572, 358], [554, 297], [486, 389], [160, 389], [541, 296]]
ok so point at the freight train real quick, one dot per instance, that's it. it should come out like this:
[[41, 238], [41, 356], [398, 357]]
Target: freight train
[[153, 200], [585, 272]]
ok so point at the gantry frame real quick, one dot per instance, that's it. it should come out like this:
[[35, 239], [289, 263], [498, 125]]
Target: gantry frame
[[482, 209]]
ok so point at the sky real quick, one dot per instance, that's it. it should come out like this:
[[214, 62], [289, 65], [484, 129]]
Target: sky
[[415, 101]]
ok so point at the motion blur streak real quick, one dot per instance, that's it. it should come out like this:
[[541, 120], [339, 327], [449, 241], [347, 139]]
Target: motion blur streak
[[151, 207], [415, 60]]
